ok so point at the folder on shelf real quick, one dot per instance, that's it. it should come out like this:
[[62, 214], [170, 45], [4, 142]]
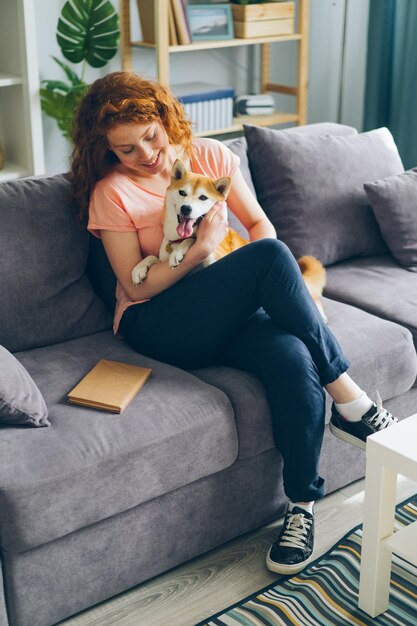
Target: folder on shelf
[[110, 385]]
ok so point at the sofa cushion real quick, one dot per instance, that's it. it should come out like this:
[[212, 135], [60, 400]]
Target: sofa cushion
[[91, 465], [307, 183], [21, 402], [394, 203], [240, 147], [378, 285], [42, 270], [382, 355]]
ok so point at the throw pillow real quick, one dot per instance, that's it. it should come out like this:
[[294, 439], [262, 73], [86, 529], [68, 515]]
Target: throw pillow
[[394, 203], [21, 402], [311, 188]]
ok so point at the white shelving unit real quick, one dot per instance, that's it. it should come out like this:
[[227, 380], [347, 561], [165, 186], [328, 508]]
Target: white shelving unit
[[164, 51], [20, 112]]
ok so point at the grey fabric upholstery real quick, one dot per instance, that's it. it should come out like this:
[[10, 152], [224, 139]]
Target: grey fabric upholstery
[[377, 285], [97, 464], [21, 402], [304, 182], [394, 203], [42, 269]]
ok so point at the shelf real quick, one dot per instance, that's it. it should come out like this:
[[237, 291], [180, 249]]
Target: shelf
[[214, 45], [163, 52], [9, 79], [12, 171], [253, 120], [404, 543]]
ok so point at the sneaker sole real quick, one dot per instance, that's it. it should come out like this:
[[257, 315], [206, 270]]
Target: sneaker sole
[[280, 568], [337, 432]]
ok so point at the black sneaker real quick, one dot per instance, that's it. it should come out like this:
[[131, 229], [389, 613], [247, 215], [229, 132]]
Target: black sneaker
[[294, 546], [374, 420]]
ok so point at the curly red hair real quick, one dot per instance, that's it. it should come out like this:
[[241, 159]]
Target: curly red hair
[[118, 98]]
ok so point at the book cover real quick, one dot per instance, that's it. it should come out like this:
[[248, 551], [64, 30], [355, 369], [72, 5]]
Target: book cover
[[181, 22], [109, 386]]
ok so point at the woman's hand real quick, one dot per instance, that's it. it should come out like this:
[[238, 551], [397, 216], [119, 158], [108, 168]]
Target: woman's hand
[[212, 230]]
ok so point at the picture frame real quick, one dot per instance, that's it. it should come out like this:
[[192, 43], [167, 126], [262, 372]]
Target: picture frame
[[210, 22]]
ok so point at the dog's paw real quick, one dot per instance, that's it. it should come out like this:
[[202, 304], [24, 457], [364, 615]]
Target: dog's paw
[[139, 273], [175, 258]]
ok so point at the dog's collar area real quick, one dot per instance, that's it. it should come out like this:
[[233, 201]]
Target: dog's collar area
[[181, 239]]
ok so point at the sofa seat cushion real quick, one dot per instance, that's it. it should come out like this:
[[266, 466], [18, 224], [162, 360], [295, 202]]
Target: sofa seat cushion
[[378, 285], [90, 465], [382, 355]]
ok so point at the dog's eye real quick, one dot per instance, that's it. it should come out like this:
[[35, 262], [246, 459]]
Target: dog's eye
[[202, 197], [182, 192]]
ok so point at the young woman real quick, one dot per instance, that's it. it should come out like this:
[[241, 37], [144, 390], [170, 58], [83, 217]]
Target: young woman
[[250, 310]]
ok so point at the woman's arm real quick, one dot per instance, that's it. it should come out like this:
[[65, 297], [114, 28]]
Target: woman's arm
[[123, 252], [245, 206]]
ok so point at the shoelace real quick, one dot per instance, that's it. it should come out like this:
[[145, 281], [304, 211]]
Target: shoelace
[[296, 531], [381, 418]]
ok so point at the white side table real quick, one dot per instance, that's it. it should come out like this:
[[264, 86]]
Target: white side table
[[388, 453]]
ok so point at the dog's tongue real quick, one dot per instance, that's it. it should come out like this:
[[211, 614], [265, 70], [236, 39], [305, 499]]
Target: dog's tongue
[[185, 227]]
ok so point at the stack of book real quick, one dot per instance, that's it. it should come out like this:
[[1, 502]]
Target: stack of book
[[209, 107], [179, 30]]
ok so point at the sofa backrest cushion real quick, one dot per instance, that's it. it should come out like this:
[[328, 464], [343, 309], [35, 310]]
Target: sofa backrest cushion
[[394, 203], [311, 187], [46, 295]]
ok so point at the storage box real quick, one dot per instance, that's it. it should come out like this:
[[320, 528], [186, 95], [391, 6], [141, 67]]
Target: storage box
[[263, 20], [209, 107]]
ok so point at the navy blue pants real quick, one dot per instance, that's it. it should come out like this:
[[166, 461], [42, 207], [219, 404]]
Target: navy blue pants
[[251, 310]]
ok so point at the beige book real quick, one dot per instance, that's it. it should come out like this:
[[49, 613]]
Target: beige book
[[181, 24], [110, 385], [173, 39]]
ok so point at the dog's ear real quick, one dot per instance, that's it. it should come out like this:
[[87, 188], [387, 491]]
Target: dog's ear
[[178, 170], [222, 185]]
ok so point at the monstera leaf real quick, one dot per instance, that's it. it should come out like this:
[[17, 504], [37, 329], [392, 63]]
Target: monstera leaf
[[59, 99], [88, 30]]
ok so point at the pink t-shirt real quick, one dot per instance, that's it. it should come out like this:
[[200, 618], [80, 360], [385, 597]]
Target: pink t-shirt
[[120, 204]]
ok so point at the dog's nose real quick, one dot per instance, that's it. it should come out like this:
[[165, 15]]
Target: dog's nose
[[186, 210]]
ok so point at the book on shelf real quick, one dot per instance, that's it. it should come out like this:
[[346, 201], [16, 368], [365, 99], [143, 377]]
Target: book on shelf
[[109, 386], [146, 9], [209, 107], [173, 38], [181, 22]]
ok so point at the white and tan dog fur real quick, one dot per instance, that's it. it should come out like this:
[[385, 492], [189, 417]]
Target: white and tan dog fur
[[188, 198]]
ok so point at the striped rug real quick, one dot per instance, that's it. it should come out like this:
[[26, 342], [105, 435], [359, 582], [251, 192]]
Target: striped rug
[[326, 592]]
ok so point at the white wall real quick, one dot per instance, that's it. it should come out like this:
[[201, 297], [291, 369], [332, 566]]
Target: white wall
[[332, 96]]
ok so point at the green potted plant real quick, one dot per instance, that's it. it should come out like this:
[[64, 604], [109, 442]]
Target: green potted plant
[[87, 33]]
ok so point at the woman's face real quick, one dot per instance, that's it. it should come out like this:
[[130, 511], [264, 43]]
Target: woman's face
[[142, 148]]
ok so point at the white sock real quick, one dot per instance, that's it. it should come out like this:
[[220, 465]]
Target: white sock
[[353, 411], [307, 506]]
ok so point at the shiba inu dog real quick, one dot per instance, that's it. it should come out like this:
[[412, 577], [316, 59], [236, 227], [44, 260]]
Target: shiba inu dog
[[188, 198]]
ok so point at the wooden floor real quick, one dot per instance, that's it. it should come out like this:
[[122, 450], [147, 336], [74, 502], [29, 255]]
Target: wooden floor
[[205, 585]]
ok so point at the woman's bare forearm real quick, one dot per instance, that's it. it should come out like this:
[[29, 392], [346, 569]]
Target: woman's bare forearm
[[262, 230]]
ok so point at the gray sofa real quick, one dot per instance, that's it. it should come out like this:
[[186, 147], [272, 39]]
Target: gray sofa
[[97, 502]]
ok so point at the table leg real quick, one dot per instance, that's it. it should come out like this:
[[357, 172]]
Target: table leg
[[378, 523]]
